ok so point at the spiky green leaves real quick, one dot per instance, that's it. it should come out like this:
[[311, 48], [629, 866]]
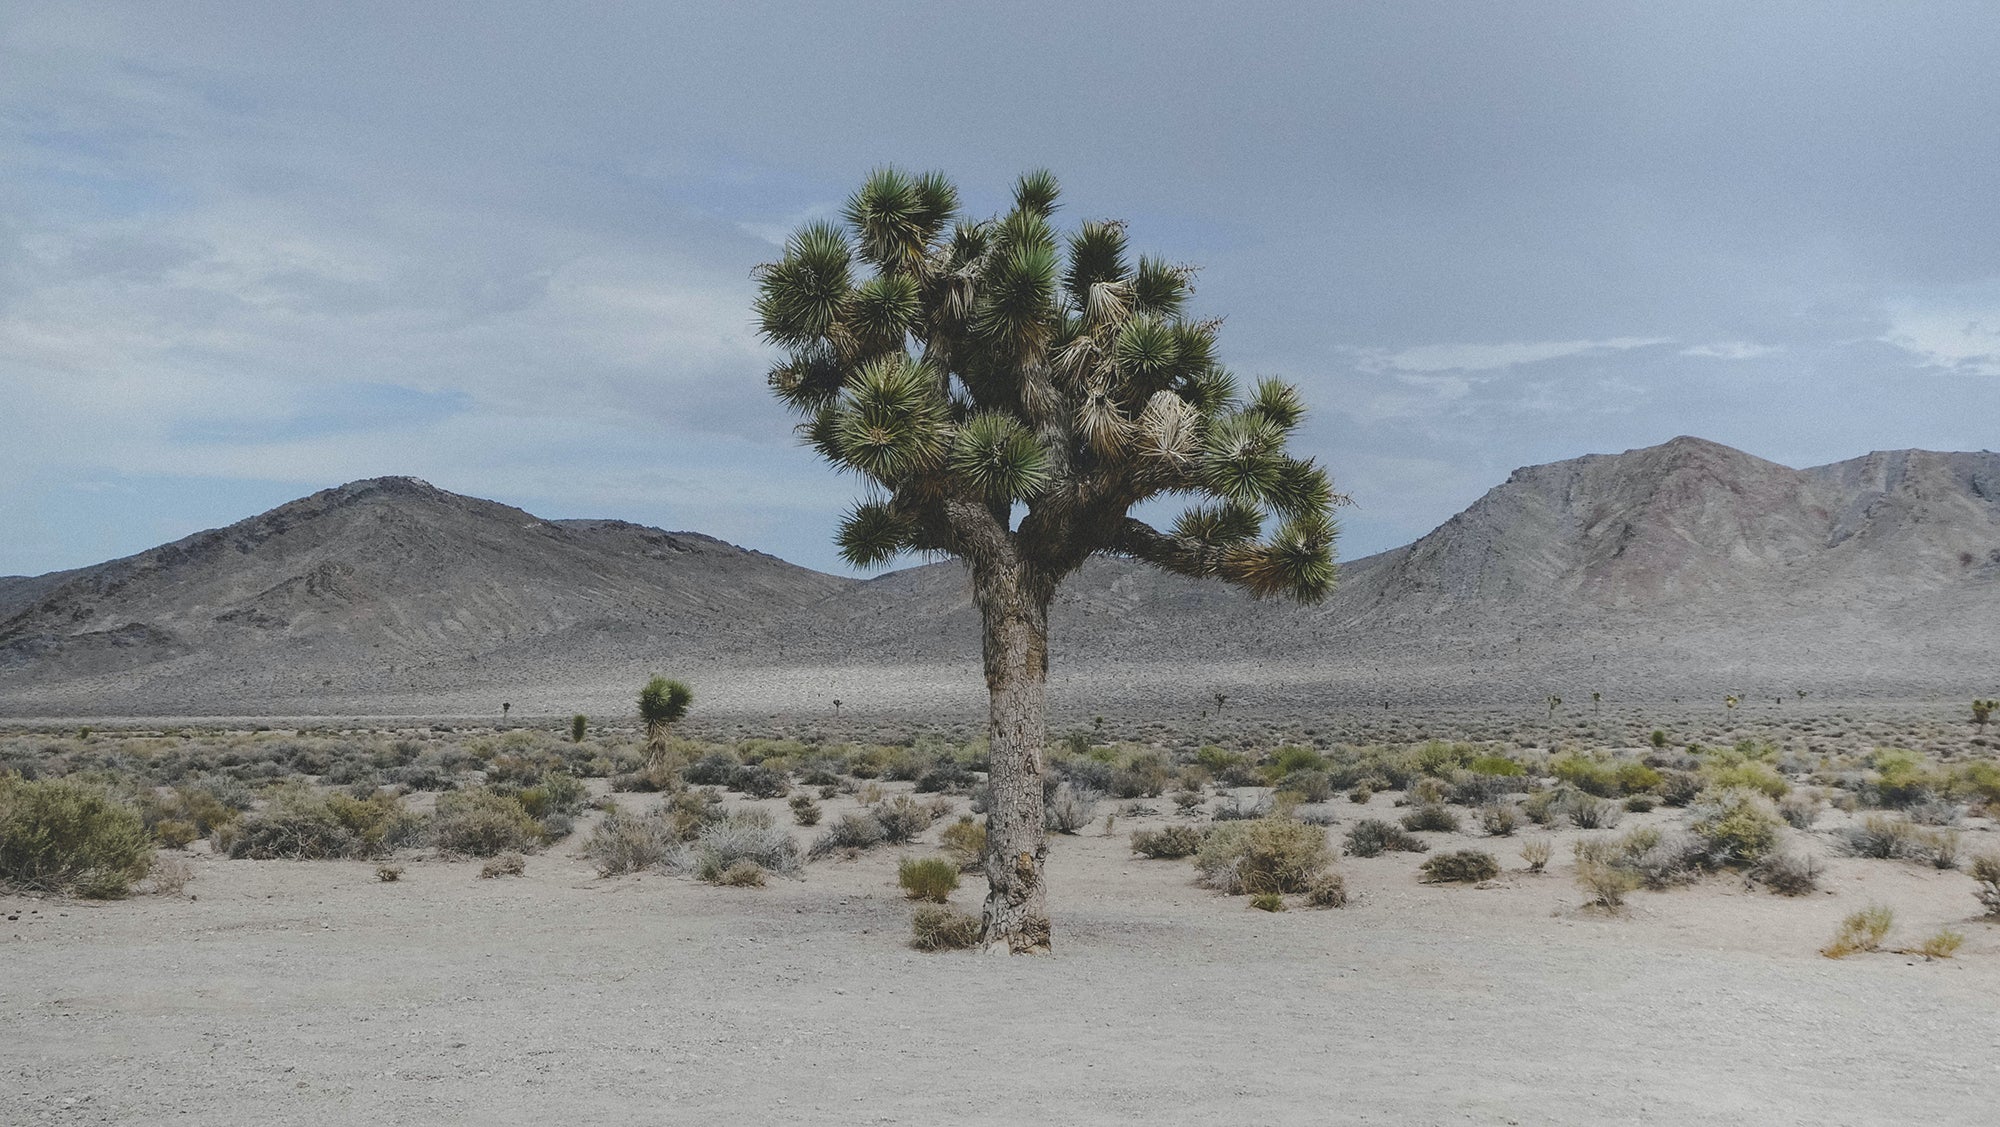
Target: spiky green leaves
[[1278, 402], [802, 297], [1297, 562], [874, 533], [1242, 458], [1017, 299], [894, 421], [897, 217], [1096, 255], [885, 309], [999, 458], [1035, 192]]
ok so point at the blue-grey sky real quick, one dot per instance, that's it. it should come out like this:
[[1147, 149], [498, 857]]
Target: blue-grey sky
[[252, 250]]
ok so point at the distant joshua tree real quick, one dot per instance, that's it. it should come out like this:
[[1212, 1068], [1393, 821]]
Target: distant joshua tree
[[1982, 711], [1010, 393], [1555, 702], [1730, 702], [578, 725], [662, 704]]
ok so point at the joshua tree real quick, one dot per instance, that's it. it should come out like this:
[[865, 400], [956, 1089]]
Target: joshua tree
[[1555, 702], [578, 725], [1982, 711], [662, 703], [1008, 395]]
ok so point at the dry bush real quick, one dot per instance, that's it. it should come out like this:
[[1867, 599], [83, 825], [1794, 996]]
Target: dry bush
[[169, 876], [1536, 852], [1607, 884], [1070, 808], [1882, 837], [965, 842], [1463, 866], [851, 833], [1737, 827], [1432, 817], [928, 878], [505, 865], [940, 927], [1169, 843], [1985, 870], [479, 822], [1262, 855], [388, 874], [1360, 795], [740, 874], [625, 842], [1327, 890], [1788, 874], [805, 811], [1371, 837], [60, 836], [902, 818], [1587, 812], [747, 835], [1863, 931], [1268, 901], [1800, 809], [1943, 945]]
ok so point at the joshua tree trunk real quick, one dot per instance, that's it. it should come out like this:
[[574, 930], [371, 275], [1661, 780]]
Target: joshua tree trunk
[[1015, 616]]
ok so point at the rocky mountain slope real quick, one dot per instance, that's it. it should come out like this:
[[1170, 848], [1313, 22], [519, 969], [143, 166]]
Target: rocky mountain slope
[[1683, 568]]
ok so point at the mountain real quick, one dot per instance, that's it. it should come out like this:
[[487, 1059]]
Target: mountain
[[1683, 568]]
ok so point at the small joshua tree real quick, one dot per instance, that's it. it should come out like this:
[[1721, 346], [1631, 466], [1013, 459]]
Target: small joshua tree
[[1982, 711], [662, 704], [578, 725]]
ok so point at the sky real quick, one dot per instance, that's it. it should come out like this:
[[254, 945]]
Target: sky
[[253, 250]]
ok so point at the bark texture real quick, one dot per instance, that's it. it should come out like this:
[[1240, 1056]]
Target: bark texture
[[1015, 613]]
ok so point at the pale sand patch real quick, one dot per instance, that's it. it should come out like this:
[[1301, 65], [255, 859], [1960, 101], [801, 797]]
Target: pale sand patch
[[311, 993]]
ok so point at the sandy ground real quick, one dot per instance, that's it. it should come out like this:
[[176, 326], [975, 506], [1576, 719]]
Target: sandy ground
[[281, 993]]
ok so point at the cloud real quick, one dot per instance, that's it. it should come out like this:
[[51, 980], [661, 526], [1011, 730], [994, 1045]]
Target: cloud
[[1732, 350], [1956, 336], [1492, 357]]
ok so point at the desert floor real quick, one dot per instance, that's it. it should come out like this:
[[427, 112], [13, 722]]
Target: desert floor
[[310, 992]]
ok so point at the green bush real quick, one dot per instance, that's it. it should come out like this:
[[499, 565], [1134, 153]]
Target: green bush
[[1587, 775], [851, 833], [303, 824], [965, 842], [480, 822], [1737, 827], [1168, 843], [1268, 901], [927, 878], [1463, 866], [625, 842], [1370, 837], [1434, 818], [1269, 854], [1498, 766], [1985, 870], [1862, 931], [61, 836], [940, 927], [1760, 777]]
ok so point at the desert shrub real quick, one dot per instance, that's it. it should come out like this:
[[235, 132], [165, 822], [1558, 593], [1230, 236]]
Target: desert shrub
[[1681, 788], [175, 834], [805, 811], [965, 842], [1461, 866], [1497, 766], [1587, 775], [940, 927], [1262, 855], [1901, 778], [1070, 808], [1788, 874], [1737, 827], [625, 842], [1934, 812], [1587, 812], [738, 874], [1360, 794], [1426, 791], [1310, 786], [850, 832], [759, 782], [1499, 819], [1433, 818], [1756, 776], [508, 864], [902, 818], [1978, 781], [1943, 945], [1985, 870], [1237, 809], [1268, 901], [479, 822], [747, 835], [1800, 809], [1659, 858], [1168, 843], [306, 825], [1187, 801], [67, 837], [1536, 852], [1327, 890], [946, 775], [1371, 837], [1636, 778], [1546, 807], [1939, 847], [928, 878], [648, 779], [1640, 803], [1440, 759], [1606, 883], [388, 874], [1881, 837], [1862, 931], [169, 876], [715, 769]]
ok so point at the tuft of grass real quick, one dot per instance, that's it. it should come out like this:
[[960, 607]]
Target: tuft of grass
[[1536, 852], [1943, 945], [964, 841], [1607, 884], [1462, 866], [1788, 874], [1268, 902], [740, 874], [1862, 931], [805, 810], [940, 927], [928, 878]]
